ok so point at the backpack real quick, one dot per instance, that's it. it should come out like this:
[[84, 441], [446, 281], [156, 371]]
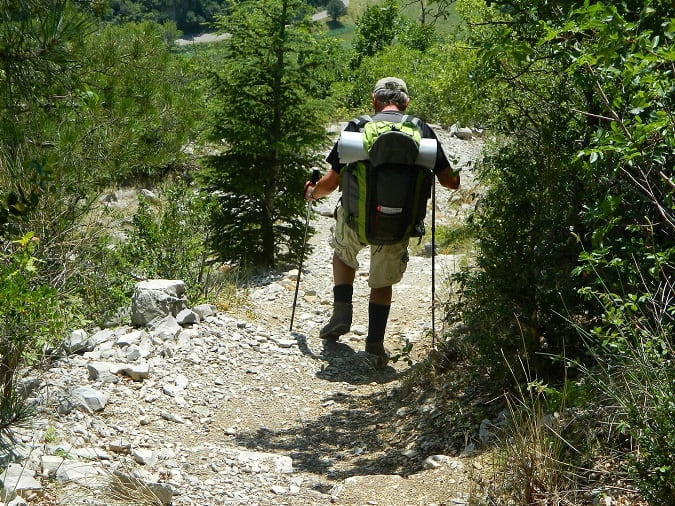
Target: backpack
[[384, 194]]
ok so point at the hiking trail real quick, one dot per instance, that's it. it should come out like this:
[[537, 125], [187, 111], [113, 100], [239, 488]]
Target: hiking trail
[[239, 410]]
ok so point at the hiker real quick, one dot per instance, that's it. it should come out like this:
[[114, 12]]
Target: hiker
[[388, 262]]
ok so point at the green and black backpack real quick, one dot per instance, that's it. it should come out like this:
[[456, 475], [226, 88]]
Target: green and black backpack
[[385, 195]]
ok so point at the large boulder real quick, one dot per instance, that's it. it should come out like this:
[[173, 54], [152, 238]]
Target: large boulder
[[157, 298]]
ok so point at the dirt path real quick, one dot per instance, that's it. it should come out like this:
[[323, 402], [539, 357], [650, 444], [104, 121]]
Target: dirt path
[[238, 410]]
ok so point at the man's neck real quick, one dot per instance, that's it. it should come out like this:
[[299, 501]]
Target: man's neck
[[390, 107]]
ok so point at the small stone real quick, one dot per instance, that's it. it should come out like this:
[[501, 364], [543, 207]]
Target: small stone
[[120, 446], [79, 472], [101, 371], [172, 417], [134, 337], [77, 342], [403, 411], [49, 464], [204, 310], [187, 317], [435, 461], [136, 372], [144, 457], [285, 343], [93, 399], [360, 330]]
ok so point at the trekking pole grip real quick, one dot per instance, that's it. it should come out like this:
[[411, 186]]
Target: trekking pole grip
[[315, 176]]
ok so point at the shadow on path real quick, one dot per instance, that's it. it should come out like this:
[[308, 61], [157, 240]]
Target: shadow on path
[[350, 440], [341, 363]]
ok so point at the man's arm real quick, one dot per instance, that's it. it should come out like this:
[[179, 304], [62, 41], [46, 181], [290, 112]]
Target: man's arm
[[448, 178], [325, 186]]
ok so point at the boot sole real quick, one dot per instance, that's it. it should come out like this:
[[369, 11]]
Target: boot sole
[[334, 333]]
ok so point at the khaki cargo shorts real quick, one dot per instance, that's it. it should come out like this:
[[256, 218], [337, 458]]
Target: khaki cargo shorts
[[387, 262]]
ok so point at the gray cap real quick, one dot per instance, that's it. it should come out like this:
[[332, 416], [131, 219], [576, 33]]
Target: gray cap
[[391, 83]]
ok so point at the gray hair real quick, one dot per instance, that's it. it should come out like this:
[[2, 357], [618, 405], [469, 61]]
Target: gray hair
[[385, 96]]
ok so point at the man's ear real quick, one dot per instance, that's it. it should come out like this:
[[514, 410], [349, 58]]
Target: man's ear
[[372, 96], [407, 101]]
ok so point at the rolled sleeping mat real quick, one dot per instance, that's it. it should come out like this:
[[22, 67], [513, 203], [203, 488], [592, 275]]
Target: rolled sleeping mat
[[350, 149], [427, 155]]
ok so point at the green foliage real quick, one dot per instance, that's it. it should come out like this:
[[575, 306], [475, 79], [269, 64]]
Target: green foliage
[[29, 318], [38, 41], [569, 167], [169, 242], [119, 125], [191, 16], [417, 36], [630, 154], [454, 239], [375, 29], [269, 108], [654, 430], [633, 350], [51, 435], [441, 92], [577, 219], [23, 186], [167, 239], [336, 8], [136, 107], [525, 256], [430, 12]]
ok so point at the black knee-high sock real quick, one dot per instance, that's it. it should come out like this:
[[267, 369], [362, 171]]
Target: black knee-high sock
[[377, 322], [343, 293]]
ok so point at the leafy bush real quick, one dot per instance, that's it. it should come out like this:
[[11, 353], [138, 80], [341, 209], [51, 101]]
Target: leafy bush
[[633, 348], [131, 125], [577, 219], [167, 238], [575, 163], [29, 318], [521, 277]]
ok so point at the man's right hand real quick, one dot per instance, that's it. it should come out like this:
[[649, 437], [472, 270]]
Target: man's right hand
[[309, 191]]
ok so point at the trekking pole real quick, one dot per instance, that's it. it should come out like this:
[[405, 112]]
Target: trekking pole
[[313, 179], [433, 263]]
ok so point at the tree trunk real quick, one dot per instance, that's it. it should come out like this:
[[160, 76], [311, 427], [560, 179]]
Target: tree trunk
[[271, 181]]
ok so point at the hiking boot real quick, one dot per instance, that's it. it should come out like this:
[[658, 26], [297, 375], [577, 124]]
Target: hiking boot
[[379, 353], [339, 323]]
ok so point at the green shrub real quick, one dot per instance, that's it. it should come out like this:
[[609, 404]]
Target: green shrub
[[29, 318], [635, 370], [167, 238]]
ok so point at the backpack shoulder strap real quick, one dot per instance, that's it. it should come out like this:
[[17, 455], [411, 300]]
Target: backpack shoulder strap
[[412, 119], [362, 120]]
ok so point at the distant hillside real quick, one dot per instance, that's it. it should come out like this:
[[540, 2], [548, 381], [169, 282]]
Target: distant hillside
[[345, 26], [190, 16]]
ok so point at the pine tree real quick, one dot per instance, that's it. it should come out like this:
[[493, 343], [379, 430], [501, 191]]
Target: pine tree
[[268, 110]]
